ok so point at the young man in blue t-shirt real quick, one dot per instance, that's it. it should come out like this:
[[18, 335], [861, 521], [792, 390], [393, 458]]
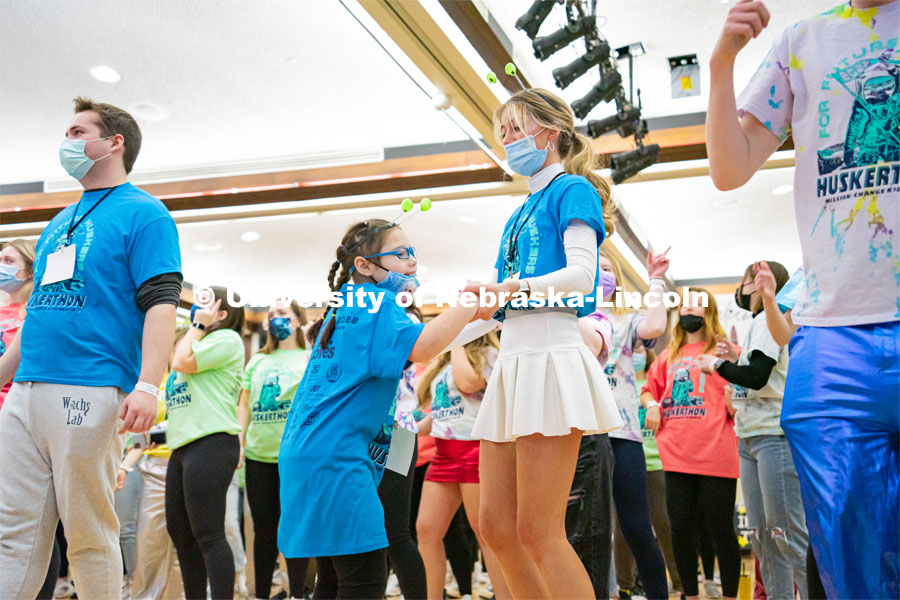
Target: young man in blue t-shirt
[[833, 82], [100, 323]]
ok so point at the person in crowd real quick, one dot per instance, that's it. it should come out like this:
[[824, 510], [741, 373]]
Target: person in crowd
[[17, 280], [632, 330], [268, 387], [112, 255], [358, 357], [547, 388], [839, 104], [203, 435], [395, 489], [769, 481], [454, 386], [694, 429]]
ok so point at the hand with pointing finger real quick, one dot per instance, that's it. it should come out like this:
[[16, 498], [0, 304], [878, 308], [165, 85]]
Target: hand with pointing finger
[[657, 265]]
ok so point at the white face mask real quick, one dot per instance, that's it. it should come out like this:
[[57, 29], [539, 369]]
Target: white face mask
[[74, 160]]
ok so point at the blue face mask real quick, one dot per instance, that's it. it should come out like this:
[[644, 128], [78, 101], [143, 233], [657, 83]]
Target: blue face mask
[[74, 160], [281, 328], [524, 157], [640, 362], [8, 281], [395, 282]]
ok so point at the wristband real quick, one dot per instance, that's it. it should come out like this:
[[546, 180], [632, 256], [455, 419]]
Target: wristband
[[122, 467], [149, 388], [717, 363], [657, 281], [652, 403], [199, 326]]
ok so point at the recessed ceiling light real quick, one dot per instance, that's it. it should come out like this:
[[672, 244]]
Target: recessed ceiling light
[[148, 111], [781, 190], [105, 74], [207, 246], [468, 220], [249, 236]]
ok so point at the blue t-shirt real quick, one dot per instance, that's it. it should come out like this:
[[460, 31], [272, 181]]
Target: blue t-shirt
[[329, 483], [87, 330], [541, 222]]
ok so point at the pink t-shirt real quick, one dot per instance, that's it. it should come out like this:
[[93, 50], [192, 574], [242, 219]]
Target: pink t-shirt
[[10, 321], [696, 434]]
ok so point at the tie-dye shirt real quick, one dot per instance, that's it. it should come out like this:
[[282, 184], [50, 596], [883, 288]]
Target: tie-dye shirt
[[619, 369], [833, 82]]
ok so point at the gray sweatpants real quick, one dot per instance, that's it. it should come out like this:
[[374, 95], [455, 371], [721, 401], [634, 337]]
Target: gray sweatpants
[[59, 452]]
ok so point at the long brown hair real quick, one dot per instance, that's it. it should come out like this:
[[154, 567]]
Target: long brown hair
[[475, 355], [235, 318], [712, 329], [781, 277], [361, 239], [550, 111], [272, 342]]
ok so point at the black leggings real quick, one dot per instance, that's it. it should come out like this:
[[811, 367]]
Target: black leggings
[[716, 495], [197, 481], [262, 487], [395, 493], [351, 576], [630, 495]]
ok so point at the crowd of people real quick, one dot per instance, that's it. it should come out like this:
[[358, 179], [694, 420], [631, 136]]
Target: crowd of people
[[557, 449]]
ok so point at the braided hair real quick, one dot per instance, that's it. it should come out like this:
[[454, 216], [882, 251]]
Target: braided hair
[[362, 239]]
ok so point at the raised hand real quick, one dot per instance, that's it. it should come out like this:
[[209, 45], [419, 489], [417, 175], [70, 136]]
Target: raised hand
[[657, 265], [745, 21], [764, 280]]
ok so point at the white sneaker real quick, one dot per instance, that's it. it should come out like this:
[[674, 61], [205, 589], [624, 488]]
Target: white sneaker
[[393, 586], [712, 591], [64, 589], [240, 586], [466, 597], [126, 588], [451, 586]]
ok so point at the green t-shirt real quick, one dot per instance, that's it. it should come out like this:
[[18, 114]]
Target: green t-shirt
[[202, 403], [651, 452], [272, 380]]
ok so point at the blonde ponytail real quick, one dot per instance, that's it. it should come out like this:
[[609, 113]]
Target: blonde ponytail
[[581, 160]]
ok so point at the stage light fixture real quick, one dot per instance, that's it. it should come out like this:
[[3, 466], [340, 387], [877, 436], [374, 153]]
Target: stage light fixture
[[604, 91], [546, 46], [628, 164], [563, 76], [532, 20], [623, 120]]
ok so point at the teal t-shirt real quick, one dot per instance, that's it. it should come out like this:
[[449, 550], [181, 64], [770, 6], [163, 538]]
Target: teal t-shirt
[[272, 380], [202, 403]]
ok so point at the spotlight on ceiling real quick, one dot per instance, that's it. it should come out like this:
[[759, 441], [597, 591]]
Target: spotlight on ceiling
[[623, 122], [604, 91], [546, 46], [628, 164], [563, 76], [532, 20]]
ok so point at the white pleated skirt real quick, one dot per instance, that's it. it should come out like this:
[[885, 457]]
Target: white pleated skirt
[[545, 381]]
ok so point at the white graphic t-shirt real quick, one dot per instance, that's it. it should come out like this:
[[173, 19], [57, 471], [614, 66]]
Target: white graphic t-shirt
[[759, 411], [620, 372], [453, 413], [833, 82]]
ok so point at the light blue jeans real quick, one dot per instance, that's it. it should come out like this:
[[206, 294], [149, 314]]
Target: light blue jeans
[[775, 514], [128, 508]]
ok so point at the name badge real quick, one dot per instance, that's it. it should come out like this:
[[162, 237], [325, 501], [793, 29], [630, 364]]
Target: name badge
[[403, 441], [60, 265]]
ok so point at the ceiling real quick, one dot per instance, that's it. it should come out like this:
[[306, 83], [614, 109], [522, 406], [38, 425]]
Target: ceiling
[[239, 80], [666, 29]]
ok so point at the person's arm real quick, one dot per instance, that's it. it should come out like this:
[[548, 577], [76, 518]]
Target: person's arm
[[467, 379], [131, 459], [753, 375], [737, 147], [243, 417], [591, 336], [439, 332], [781, 326], [184, 360], [138, 411], [656, 319], [9, 362], [425, 425]]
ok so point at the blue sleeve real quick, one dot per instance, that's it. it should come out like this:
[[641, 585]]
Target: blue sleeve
[[153, 249], [579, 200], [393, 338]]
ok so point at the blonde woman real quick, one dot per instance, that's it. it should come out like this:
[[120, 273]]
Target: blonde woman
[[694, 426], [547, 388], [454, 387], [17, 280]]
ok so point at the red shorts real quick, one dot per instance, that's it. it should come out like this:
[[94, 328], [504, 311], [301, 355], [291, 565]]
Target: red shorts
[[455, 461]]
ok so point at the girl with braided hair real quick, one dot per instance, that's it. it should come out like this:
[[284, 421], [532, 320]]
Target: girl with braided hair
[[329, 477]]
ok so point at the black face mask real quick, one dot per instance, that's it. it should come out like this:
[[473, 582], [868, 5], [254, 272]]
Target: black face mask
[[691, 323], [741, 299]]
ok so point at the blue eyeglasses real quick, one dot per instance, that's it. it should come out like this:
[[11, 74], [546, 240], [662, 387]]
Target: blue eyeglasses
[[401, 253]]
